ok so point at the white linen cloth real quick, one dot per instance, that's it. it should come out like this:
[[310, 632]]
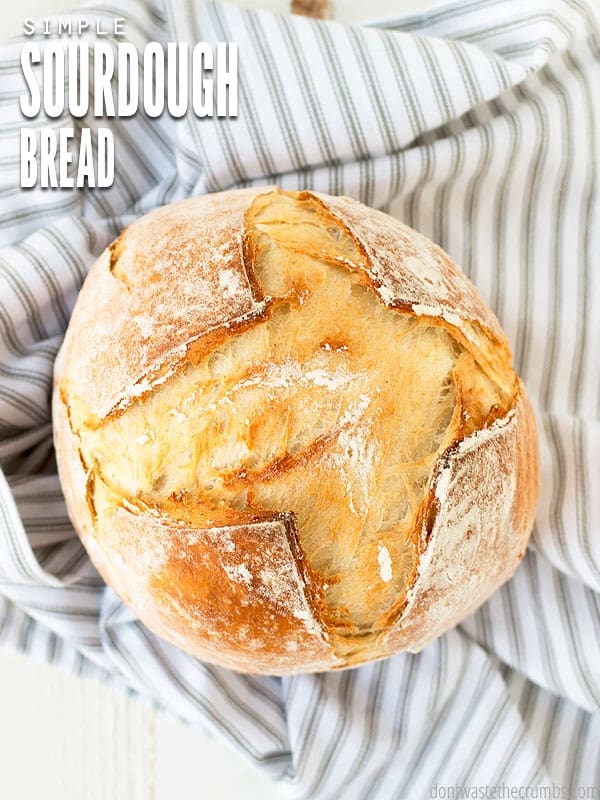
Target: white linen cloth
[[477, 123]]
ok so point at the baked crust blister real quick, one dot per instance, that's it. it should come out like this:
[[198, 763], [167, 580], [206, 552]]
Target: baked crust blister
[[222, 569]]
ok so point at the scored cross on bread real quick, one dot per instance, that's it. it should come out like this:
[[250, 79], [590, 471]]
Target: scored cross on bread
[[289, 432]]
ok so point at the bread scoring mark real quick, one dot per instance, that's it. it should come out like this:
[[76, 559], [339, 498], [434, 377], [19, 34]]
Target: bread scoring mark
[[90, 488], [243, 583], [116, 250], [175, 361], [473, 500]]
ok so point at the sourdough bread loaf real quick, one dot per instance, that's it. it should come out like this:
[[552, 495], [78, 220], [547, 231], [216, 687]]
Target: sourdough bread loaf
[[289, 433]]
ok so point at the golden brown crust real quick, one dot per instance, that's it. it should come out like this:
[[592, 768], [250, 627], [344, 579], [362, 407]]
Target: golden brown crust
[[137, 321], [233, 595], [238, 595], [482, 509], [411, 271], [72, 471], [527, 469], [237, 591], [135, 316]]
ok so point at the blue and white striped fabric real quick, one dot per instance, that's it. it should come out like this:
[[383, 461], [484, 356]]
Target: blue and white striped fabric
[[478, 123]]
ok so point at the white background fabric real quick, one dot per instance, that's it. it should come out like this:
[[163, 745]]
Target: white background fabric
[[476, 123]]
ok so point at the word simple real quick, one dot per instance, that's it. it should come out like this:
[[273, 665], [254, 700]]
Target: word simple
[[66, 26]]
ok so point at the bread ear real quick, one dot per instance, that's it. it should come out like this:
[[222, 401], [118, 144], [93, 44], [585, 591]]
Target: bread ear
[[480, 514]]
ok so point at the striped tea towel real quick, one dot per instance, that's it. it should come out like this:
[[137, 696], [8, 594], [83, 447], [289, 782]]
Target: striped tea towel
[[478, 124]]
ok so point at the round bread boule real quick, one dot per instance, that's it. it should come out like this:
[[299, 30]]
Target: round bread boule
[[289, 433]]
